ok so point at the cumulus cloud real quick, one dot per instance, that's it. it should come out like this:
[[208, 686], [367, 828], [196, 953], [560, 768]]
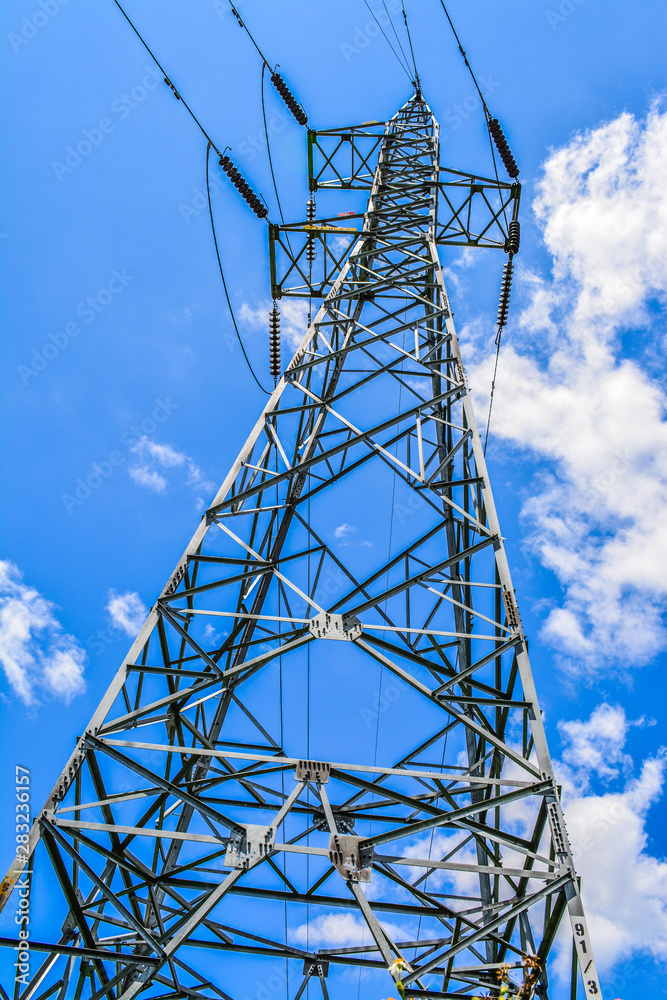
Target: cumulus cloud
[[151, 457], [624, 886], [595, 746], [35, 651], [343, 530], [127, 611], [594, 421]]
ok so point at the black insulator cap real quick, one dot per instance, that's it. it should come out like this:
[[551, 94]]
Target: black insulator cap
[[513, 240], [505, 288], [503, 148], [289, 98], [274, 343], [242, 186]]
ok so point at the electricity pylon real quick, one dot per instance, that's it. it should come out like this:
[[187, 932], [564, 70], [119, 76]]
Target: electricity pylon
[[322, 756]]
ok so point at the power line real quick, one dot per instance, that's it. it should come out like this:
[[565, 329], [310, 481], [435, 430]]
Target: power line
[[403, 66], [268, 148], [276, 79], [268, 151], [247, 31], [465, 57], [222, 273], [512, 169], [493, 389], [412, 51], [210, 145], [167, 80], [393, 28]]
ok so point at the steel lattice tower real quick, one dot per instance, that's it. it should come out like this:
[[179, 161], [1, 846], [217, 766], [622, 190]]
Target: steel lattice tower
[[228, 791]]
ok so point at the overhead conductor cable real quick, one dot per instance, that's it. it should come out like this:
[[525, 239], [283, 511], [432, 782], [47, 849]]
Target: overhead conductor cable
[[497, 138], [222, 276], [286, 94], [493, 125], [234, 174], [171, 86]]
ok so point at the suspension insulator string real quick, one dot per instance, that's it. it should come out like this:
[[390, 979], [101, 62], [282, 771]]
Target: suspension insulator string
[[242, 186], [505, 289], [311, 252], [513, 241], [503, 309], [503, 148], [289, 98], [274, 343]]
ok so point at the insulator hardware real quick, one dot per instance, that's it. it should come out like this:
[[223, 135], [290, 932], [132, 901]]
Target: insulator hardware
[[172, 88], [274, 343], [505, 288], [513, 240], [503, 148], [311, 253], [242, 186], [289, 98]]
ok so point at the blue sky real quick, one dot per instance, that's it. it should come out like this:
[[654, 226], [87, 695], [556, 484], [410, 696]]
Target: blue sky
[[108, 263]]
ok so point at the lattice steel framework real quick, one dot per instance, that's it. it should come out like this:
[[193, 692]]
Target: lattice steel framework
[[230, 797]]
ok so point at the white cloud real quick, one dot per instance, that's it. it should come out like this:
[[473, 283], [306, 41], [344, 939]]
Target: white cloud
[[211, 635], [150, 455], [343, 530], [150, 478], [63, 669], [167, 456], [624, 887], [596, 745], [35, 652], [127, 611], [339, 929], [603, 206], [197, 480], [595, 420]]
